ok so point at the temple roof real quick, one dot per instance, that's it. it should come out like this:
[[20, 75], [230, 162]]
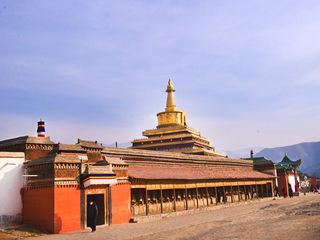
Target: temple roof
[[69, 147], [89, 144], [288, 164], [25, 140], [55, 158], [115, 161], [134, 155], [157, 172]]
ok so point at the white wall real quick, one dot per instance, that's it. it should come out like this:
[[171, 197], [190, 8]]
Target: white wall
[[11, 182], [292, 181]]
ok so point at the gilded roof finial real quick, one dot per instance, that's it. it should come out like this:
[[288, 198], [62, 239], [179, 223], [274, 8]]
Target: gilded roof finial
[[170, 86], [171, 103]]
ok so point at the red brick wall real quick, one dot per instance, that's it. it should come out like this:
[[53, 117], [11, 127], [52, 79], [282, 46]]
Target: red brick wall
[[121, 198], [67, 209], [38, 210]]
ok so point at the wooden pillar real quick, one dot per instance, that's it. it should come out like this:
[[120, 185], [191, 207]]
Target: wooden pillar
[[174, 200], [224, 195], [186, 191], [232, 200], [216, 195], [161, 200], [207, 196], [245, 192], [272, 190], [251, 193], [147, 203], [197, 197], [257, 191], [239, 194], [261, 190]]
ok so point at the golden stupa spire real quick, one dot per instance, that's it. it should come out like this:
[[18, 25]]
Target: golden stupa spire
[[171, 103]]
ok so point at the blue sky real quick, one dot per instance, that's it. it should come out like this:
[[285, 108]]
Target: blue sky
[[246, 72]]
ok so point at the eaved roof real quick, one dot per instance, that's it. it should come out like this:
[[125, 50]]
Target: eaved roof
[[115, 161], [69, 147], [90, 144], [157, 172], [288, 164], [24, 140], [55, 158]]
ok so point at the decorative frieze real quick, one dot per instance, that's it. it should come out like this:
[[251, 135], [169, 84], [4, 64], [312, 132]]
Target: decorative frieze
[[42, 147]]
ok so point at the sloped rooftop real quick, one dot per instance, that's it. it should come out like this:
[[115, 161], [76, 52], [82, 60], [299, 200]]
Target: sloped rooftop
[[157, 172]]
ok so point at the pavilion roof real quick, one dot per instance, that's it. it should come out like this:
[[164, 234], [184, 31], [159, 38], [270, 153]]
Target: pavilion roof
[[288, 164]]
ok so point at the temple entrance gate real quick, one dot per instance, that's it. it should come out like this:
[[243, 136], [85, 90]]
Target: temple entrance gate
[[99, 200]]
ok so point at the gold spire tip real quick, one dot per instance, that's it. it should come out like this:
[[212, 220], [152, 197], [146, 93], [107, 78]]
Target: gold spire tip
[[170, 87]]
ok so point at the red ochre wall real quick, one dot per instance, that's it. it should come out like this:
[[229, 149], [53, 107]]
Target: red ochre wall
[[120, 203], [57, 209], [38, 208], [66, 209], [52, 209], [283, 184]]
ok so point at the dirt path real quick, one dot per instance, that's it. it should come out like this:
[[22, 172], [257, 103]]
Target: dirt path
[[295, 218]]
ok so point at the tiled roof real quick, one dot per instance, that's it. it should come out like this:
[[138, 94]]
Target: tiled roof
[[288, 164], [193, 173], [115, 161], [51, 158], [90, 144], [24, 140], [128, 154], [69, 147]]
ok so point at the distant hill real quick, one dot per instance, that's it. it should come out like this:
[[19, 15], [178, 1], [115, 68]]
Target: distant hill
[[308, 152]]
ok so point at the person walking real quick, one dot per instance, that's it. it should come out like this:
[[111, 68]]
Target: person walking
[[92, 215]]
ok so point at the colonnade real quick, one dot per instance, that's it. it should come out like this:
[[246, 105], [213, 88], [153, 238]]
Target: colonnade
[[160, 199]]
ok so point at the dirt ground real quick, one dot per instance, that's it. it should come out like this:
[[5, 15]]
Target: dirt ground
[[295, 218], [19, 232]]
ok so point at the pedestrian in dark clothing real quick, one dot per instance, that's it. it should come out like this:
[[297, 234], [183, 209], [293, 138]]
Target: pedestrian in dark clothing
[[290, 190], [92, 215], [276, 190]]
